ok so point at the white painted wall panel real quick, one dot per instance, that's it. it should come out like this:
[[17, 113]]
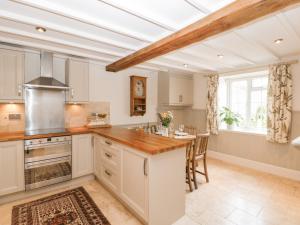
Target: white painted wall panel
[[115, 88]]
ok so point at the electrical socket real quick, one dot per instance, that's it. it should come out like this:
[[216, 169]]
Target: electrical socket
[[14, 116]]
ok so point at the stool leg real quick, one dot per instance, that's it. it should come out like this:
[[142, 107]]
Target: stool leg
[[194, 174], [205, 169], [189, 177]]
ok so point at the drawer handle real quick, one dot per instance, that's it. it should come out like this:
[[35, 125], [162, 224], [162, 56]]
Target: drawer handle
[[107, 173], [108, 142], [108, 155]]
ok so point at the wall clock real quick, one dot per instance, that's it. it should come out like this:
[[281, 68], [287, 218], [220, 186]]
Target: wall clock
[[138, 95]]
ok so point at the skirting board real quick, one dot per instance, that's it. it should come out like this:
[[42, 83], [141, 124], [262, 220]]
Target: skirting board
[[264, 167]]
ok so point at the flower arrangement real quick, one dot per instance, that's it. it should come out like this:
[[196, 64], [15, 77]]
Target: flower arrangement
[[166, 118]]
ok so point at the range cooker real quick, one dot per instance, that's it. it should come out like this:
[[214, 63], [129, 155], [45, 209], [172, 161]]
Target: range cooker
[[47, 161]]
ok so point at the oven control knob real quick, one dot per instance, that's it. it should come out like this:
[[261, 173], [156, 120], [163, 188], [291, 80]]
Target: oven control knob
[[40, 141], [31, 142], [57, 139]]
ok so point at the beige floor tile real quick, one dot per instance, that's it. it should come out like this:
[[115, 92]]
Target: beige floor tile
[[234, 196]]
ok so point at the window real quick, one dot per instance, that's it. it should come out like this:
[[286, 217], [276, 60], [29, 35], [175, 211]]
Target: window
[[243, 102]]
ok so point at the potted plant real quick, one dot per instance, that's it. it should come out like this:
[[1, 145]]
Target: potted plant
[[229, 117], [165, 119]]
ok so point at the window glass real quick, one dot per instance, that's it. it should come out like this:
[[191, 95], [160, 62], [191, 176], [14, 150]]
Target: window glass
[[245, 96]]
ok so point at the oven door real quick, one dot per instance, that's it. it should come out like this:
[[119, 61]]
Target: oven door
[[34, 153], [46, 172]]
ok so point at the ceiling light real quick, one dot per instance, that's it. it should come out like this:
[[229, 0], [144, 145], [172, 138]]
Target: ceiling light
[[220, 56], [278, 41], [185, 65], [41, 29]]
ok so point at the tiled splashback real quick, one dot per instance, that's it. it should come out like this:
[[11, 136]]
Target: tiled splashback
[[75, 115], [7, 125]]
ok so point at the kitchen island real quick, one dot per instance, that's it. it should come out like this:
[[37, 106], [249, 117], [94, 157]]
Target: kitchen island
[[144, 171]]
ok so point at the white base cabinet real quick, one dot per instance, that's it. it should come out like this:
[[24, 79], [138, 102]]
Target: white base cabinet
[[153, 186], [11, 167], [82, 155]]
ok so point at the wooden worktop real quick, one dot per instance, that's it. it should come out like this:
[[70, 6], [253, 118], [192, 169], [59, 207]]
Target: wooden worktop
[[148, 143]]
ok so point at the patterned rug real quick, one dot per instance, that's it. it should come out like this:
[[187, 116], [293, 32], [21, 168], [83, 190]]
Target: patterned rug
[[74, 207]]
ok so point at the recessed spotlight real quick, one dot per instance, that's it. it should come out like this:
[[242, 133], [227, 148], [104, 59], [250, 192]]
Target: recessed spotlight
[[220, 56], [278, 41], [185, 65], [41, 29]]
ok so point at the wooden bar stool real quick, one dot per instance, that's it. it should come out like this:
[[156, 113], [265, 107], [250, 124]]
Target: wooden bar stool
[[199, 153], [190, 130]]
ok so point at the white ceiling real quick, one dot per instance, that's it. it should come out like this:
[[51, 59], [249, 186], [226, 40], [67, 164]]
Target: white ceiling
[[107, 30]]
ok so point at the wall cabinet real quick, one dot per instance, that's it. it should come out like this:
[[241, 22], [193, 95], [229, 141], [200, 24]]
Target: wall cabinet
[[11, 75], [82, 155], [77, 77], [11, 167], [175, 90]]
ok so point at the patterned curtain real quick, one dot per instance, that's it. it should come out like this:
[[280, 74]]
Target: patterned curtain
[[279, 103], [212, 106]]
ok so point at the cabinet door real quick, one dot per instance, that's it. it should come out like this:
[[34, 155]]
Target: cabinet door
[[97, 157], [11, 74], [180, 91], [11, 167], [134, 182], [187, 92], [175, 90], [78, 81], [82, 155]]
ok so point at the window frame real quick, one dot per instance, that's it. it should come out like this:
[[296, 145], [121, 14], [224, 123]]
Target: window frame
[[248, 77]]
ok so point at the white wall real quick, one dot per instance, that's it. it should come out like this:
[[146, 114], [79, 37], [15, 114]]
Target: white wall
[[115, 88]]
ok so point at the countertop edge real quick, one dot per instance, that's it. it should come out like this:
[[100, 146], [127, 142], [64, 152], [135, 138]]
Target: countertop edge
[[19, 136]]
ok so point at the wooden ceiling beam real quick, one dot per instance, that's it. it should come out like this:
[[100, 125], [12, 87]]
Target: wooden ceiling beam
[[234, 15]]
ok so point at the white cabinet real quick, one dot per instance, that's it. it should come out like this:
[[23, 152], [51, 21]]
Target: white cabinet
[[77, 78], [175, 90], [11, 75], [134, 181], [82, 155], [11, 167]]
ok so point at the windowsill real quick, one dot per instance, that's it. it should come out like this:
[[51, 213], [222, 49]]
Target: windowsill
[[244, 131]]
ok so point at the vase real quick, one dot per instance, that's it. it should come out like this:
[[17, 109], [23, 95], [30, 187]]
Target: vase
[[165, 131]]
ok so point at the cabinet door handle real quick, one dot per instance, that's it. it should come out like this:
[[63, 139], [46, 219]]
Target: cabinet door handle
[[72, 93], [107, 173], [108, 142], [93, 141], [19, 90], [145, 167], [108, 155]]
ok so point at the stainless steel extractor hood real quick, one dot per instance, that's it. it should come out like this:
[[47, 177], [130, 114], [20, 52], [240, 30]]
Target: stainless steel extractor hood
[[46, 79]]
